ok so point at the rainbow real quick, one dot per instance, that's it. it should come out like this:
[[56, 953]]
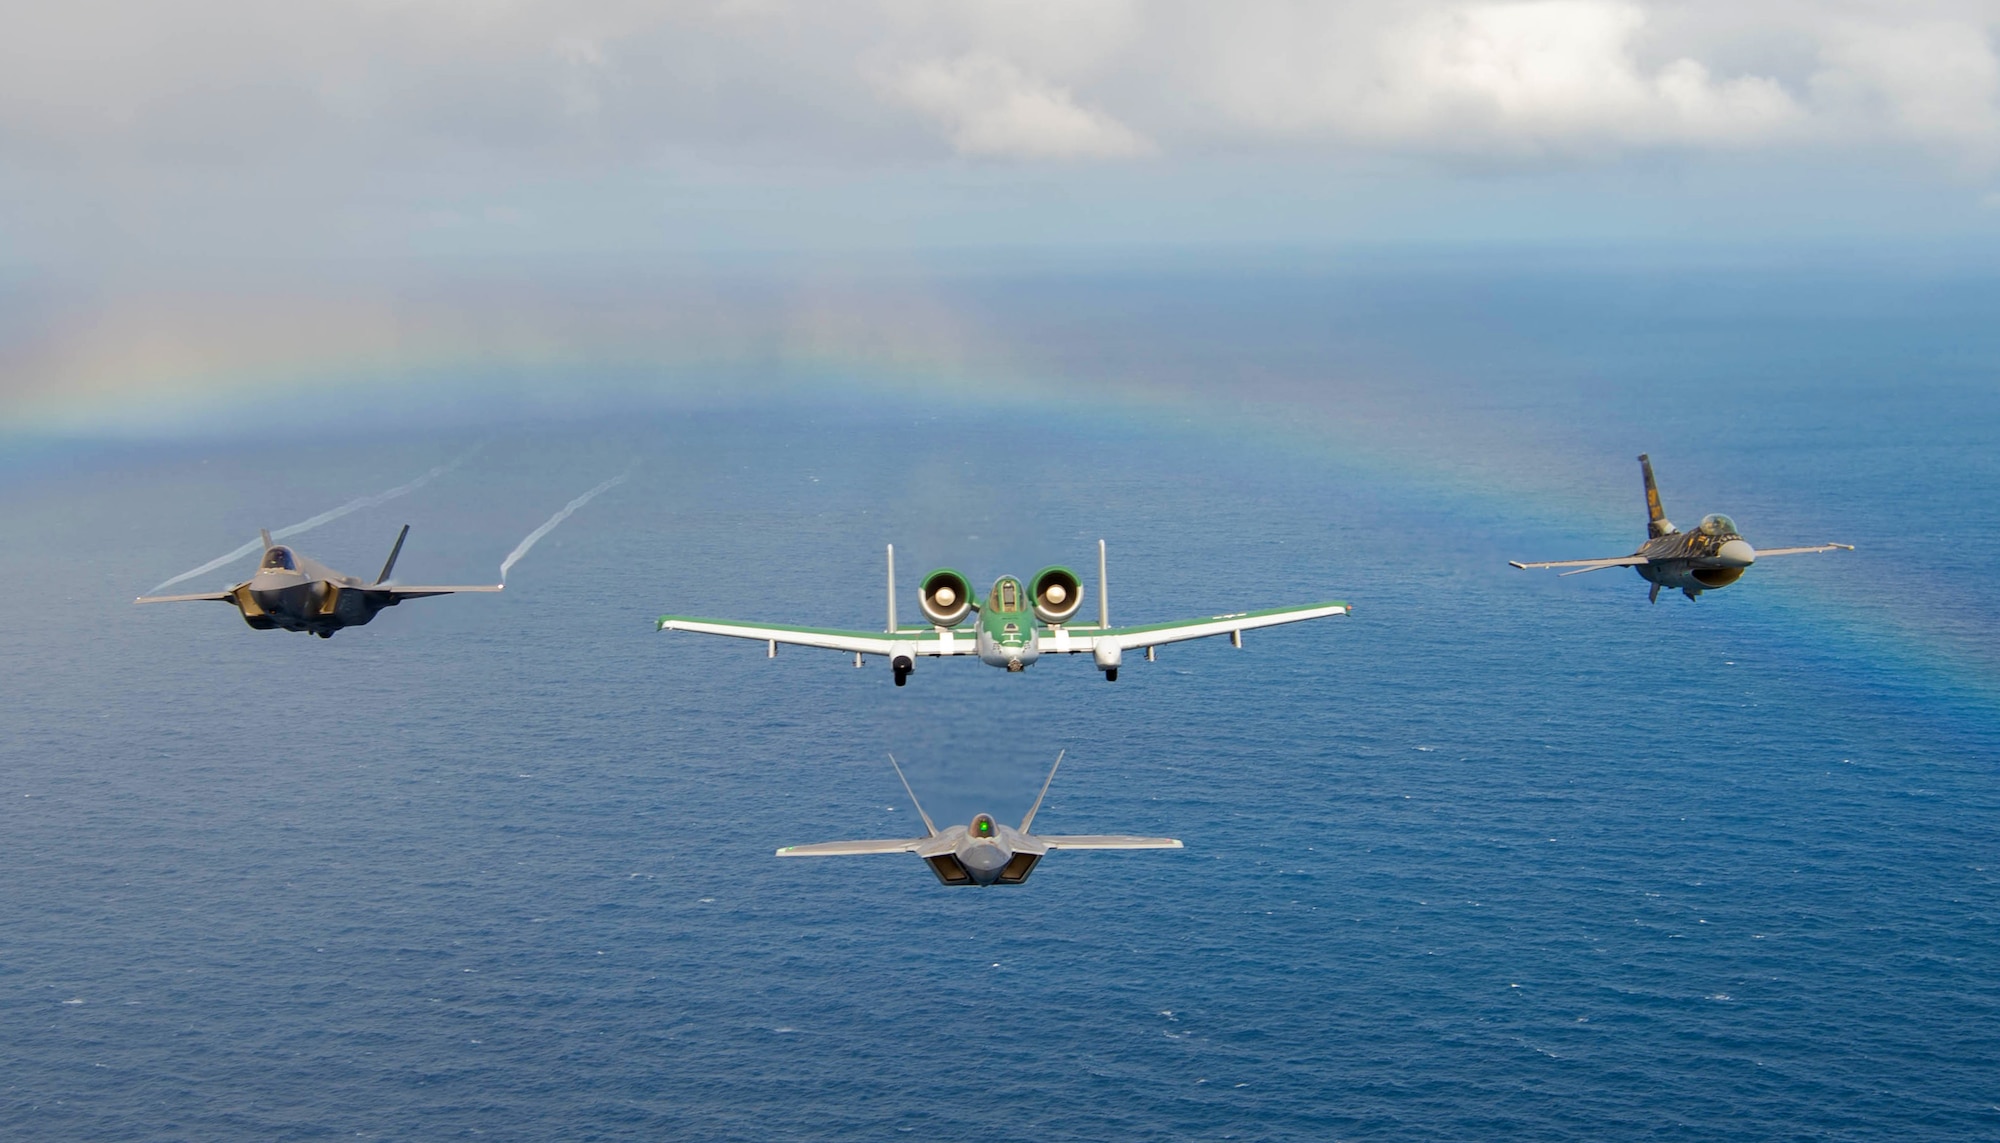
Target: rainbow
[[203, 364]]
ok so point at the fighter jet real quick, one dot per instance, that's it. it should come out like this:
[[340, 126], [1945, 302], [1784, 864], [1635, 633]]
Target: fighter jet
[[1710, 557], [1006, 634], [301, 594], [985, 852]]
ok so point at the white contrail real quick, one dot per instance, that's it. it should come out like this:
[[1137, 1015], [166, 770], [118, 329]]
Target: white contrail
[[323, 518], [521, 549]]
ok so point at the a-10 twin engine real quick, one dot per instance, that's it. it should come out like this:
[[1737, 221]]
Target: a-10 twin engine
[[1057, 593], [946, 598]]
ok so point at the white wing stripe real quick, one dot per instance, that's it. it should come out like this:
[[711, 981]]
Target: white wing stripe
[[867, 645]]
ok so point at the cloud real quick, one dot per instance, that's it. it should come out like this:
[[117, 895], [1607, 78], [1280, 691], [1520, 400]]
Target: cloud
[[989, 107], [1935, 82], [94, 81], [1489, 77]]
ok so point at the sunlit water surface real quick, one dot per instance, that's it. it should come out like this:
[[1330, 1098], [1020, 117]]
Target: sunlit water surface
[[1499, 856]]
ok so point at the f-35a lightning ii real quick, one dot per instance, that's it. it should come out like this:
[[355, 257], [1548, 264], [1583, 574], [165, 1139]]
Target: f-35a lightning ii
[[1710, 557], [985, 852], [301, 594], [1006, 634]]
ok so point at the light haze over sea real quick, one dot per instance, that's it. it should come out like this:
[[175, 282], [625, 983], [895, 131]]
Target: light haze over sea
[[1285, 301], [1498, 856]]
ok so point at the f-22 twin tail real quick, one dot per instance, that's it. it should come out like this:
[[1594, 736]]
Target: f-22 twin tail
[[984, 852]]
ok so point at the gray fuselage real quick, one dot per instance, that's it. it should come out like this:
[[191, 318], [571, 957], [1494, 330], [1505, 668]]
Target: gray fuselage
[[296, 593], [983, 853]]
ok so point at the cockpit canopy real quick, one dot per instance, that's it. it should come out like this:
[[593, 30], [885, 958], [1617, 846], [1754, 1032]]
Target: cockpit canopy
[[1718, 525], [1006, 595], [279, 559], [982, 826]]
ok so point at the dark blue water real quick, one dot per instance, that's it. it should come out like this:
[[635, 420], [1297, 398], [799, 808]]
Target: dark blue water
[[1498, 856]]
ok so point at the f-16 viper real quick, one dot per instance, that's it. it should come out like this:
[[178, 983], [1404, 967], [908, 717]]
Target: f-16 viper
[[1712, 556], [1019, 621], [298, 593], [984, 852]]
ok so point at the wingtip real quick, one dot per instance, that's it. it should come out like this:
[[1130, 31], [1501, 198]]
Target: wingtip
[[1517, 564]]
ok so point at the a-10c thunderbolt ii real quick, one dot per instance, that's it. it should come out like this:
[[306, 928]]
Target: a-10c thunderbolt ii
[[301, 594], [1019, 622], [985, 852], [1712, 556]]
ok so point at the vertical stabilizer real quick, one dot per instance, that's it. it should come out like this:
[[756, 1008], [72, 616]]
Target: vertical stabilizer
[[892, 591], [1657, 524], [393, 553], [913, 796], [1030, 819], [268, 541], [1103, 594]]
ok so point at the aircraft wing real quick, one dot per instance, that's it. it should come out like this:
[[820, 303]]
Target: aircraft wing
[[924, 641], [849, 848], [1071, 640], [1106, 841], [1762, 552], [224, 596], [419, 592], [1583, 566]]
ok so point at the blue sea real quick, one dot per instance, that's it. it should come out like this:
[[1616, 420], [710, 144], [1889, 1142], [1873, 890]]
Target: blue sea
[[1500, 856]]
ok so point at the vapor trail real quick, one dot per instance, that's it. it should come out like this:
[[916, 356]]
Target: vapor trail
[[326, 517], [549, 525]]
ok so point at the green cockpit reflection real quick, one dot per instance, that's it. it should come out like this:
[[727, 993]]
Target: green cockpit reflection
[[1718, 525]]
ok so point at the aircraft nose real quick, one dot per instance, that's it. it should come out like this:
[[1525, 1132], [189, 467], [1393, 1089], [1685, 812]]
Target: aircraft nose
[[1736, 554]]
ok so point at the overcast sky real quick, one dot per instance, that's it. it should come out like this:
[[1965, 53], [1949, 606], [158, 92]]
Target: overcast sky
[[162, 129]]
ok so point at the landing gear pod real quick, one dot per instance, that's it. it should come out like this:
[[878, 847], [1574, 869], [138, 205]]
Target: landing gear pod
[[1058, 594], [1108, 660], [945, 597]]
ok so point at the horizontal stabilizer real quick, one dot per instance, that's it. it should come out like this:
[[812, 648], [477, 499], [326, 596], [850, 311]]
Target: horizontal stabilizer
[[851, 848], [419, 592], [1107, 841]]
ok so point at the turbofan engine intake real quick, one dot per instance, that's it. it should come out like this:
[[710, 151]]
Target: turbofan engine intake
[[1058, 594], [945, 597]]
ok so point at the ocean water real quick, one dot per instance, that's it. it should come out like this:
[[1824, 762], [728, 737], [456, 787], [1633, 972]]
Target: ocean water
[[1499, 856]]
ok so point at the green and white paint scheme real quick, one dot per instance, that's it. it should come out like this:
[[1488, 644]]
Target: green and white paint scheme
[[984, 852], [1018, 622], [1711, 557]]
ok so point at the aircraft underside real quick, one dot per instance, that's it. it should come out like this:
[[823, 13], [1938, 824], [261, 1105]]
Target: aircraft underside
[[1687, 576], [318, 608]]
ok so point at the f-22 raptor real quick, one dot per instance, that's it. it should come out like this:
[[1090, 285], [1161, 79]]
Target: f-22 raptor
[[1712, 556], [985, 852], [298, 593]]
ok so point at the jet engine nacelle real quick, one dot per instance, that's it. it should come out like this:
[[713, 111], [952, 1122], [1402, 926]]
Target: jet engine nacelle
[[1058, 594], [945, 597]]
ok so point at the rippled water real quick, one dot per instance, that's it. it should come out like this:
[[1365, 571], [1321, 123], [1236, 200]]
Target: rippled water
[[1498, 856]]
